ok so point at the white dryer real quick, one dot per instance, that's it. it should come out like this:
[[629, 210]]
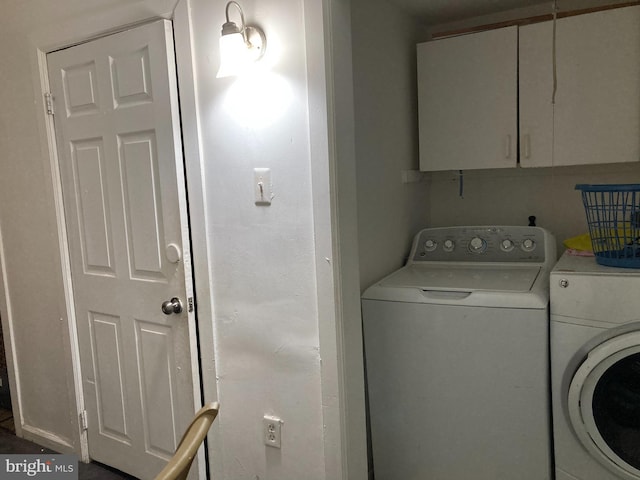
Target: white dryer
[[595, 362], [456, 348]]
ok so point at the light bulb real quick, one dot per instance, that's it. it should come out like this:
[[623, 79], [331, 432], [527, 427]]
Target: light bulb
[[234, 55]]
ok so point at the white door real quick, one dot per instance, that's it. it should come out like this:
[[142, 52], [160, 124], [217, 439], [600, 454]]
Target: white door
[[120, 155]]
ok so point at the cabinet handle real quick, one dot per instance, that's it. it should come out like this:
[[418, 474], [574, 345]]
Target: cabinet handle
[[507, 147], [526, 145]]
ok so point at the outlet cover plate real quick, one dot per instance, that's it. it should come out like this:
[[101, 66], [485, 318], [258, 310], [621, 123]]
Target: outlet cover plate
[[272, 431]]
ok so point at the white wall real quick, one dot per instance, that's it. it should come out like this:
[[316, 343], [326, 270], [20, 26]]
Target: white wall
[[508, 197], [390, 213], [263, 258], [333, 186], [266, 280], [31, 256]]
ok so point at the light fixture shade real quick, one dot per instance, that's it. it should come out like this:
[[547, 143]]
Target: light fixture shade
[[234, 55], [239, 46]]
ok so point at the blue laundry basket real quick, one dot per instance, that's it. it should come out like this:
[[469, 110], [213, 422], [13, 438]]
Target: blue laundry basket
[[613, 217]]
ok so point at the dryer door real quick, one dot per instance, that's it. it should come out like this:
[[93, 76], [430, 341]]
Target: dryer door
[[604, 404]]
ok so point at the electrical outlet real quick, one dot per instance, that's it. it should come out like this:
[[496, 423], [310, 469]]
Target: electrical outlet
[[272, 431]]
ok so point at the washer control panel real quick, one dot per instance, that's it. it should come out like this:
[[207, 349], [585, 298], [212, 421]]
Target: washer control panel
[[480, 244]]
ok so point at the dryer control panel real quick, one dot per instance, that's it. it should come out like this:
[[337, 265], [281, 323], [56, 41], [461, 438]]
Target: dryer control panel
[[482, 244]]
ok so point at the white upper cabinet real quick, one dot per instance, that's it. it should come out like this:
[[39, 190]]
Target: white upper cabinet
[[478, 93], [536, 94], [597, 110], [467, 101]]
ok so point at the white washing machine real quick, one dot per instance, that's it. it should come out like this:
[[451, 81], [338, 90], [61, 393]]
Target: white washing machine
[[595, 370], [457, 360]]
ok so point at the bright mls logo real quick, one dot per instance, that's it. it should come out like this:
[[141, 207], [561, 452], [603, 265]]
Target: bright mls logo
[[51, 467]]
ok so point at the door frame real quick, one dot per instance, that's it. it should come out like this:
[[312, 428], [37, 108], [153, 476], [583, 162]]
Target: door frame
[[204, 381]]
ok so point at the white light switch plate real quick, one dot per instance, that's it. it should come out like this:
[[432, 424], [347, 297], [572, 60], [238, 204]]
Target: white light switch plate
[[263, 192]]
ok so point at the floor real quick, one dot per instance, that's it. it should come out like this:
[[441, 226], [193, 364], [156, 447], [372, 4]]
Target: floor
[[6, 421], [9, 443]]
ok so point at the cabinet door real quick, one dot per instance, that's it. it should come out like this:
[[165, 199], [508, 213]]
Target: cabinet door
[[597, 110], [467, 101], [535, 79]]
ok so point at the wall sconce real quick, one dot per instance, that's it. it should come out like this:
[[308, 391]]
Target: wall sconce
[[239, 46]]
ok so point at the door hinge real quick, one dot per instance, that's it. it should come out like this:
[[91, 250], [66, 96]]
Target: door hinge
[[48, 100], [84, 424]]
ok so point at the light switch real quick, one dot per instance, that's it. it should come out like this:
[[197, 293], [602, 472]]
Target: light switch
[[263, 192]]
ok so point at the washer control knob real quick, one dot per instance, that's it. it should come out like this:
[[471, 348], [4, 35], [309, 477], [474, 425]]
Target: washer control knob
[[506, 245], [448, 245], [477, 245], [430, 245], [528, 245], [564, 283]]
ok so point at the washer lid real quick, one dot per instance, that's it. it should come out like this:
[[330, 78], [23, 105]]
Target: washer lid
[[467, 278]]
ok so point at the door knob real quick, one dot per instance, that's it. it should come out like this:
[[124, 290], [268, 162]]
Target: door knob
[[172, 306]]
